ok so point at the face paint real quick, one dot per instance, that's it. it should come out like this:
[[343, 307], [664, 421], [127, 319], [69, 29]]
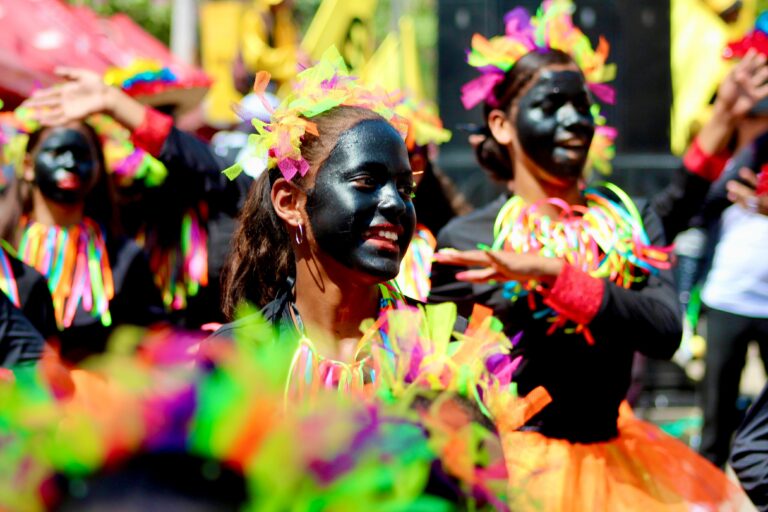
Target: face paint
[[554, 124], [360, 208], [65, 166]]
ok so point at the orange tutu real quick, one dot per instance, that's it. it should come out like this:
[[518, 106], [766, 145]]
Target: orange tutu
[[642, 469]]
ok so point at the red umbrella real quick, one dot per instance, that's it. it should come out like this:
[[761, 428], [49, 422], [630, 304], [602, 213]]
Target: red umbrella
[[45, 34]]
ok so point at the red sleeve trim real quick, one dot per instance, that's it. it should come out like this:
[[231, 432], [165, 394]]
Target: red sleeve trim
[[704, 165], [762, 181], [576, 295], [151, 134]]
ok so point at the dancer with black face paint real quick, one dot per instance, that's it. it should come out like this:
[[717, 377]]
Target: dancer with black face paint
[[594, 281], [319, 257], [98, 280]]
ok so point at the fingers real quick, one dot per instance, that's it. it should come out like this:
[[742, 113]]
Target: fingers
[[75, 74], [741, 194], [476, 139], [749, 176], [462, 258], [478, 276]]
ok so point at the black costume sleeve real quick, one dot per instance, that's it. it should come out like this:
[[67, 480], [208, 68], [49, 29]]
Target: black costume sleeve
[[35, 298], [749, 456], [679, 201], [649, 318], [183, 152], [19, 341], [137, 300]]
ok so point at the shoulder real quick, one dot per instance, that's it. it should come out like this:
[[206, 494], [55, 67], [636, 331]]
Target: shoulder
[[466, 231], [242, 325]]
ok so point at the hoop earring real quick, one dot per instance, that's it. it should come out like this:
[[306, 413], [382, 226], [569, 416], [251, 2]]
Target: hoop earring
[[299, 235]]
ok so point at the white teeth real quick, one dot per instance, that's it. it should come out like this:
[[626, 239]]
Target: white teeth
[[389, 235]]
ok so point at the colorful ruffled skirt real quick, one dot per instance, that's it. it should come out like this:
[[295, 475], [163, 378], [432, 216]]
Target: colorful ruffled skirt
[[642, 469]]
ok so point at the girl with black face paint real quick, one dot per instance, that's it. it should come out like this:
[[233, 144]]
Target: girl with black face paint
[[68, 232], [581, 322], [317, 253]]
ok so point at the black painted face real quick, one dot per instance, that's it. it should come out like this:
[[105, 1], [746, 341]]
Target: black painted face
[[554, 123], [65, 166], [360, 208]]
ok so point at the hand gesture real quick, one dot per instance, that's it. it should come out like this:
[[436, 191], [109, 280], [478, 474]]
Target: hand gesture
[[82, 94], [745, 196], [502, 266], [744, 86]]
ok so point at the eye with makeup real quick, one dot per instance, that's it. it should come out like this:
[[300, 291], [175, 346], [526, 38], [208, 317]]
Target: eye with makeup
[[371, 178]]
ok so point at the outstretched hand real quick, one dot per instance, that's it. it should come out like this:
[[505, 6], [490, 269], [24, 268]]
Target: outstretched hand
[[82, 94], [744, 86], [501, 266], [745, 196]]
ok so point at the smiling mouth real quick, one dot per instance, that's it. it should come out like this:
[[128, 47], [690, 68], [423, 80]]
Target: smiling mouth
[[385, 237], [68, 181]]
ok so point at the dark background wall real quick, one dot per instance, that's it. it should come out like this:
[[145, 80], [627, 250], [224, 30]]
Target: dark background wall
[[638, 32]]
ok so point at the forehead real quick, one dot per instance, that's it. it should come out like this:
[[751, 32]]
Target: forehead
[[369, 142], [558, 81], [64, 136]]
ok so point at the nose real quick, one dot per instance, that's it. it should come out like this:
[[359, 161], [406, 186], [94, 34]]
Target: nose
[[391, 202], [568, 116], [66, 160]]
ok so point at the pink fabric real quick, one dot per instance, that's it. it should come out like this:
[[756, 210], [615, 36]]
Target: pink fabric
[[480, 89], [604, 92]]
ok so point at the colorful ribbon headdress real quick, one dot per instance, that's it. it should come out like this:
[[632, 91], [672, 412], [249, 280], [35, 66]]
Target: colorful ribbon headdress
[[318, 89], [551, 28]]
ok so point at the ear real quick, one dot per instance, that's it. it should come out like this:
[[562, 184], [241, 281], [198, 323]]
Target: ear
[[501, 127], [28, 169], [288, 201]]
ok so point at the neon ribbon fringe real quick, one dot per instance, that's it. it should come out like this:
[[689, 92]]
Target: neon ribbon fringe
[[606, 239], [551, 28], [75, 261], [318, 89], [8, 279], [416, 266], [182, 269]]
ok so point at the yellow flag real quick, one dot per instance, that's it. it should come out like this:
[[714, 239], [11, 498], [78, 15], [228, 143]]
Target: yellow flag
[[411, 70], [347, 24], [383, 68], [219, 44], [698, 39]]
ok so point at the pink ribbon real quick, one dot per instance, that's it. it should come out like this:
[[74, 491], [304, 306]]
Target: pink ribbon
[[481, 89], [605, 93]]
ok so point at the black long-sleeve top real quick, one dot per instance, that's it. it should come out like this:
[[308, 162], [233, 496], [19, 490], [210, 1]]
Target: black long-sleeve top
[[34, 297], [587, 382], [20, 342], [195, 180], [749, 455]]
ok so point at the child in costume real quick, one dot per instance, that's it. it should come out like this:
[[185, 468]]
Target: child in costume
[[184, 218], [98, 279], [590, 280]]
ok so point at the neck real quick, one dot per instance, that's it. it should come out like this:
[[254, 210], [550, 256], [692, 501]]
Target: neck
[[52, 213], [332, 309], [533, 189]]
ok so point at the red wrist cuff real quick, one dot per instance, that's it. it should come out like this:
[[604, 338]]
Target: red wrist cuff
[[576, 295], [762, 182], [704, 165], [151, 134]]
